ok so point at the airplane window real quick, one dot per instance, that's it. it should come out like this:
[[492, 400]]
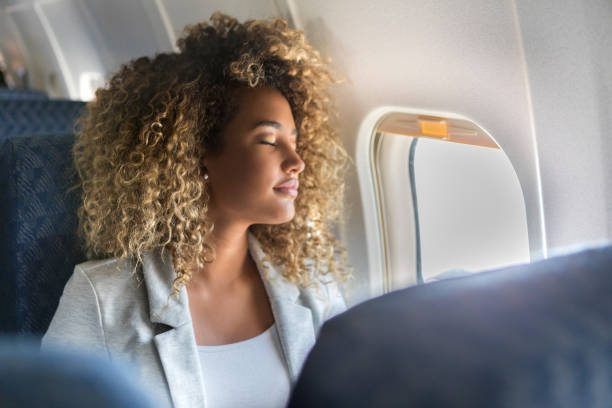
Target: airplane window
[[450, 201], [3, 80], [14, 73]]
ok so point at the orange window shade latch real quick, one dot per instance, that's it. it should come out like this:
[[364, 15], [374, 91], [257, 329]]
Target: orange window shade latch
[[432, 126]]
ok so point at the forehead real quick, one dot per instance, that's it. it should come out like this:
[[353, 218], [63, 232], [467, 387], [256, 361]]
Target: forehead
[[262, 104]]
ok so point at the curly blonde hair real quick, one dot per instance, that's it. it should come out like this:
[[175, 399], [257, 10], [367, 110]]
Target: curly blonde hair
[[140, 142]]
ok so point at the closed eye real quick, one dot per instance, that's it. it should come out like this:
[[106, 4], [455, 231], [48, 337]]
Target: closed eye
[[268, 143]]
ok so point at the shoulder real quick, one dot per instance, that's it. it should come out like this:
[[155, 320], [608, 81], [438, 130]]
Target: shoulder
[[95, 294], [117, 287], [111, 268], [324, 298], [110, 278]]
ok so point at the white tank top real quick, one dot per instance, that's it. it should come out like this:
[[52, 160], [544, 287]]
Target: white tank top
[[250, 374]]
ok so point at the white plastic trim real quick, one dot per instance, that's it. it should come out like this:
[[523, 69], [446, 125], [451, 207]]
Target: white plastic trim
[[163, 14], [293, 12], [364, 161], [517, 27], [371, 220], [25, 5]]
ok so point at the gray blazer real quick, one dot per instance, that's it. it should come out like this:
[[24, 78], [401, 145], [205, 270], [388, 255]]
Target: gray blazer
[[103, 308]]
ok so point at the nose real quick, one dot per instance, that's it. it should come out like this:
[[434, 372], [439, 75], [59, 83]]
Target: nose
[[293, 163]]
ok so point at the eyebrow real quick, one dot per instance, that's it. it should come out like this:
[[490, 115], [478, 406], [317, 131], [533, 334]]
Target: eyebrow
[[273, 124]]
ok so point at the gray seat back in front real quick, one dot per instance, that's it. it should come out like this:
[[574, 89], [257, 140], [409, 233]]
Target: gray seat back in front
[[532, 335]]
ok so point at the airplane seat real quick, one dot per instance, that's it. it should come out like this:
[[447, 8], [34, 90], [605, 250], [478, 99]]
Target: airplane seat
[[65, 378], [527, 335], [38, 246], [37, 116], [21, 93]]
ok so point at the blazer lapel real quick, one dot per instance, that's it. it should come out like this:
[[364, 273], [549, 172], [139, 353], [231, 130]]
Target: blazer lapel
[[296, 333], [175, 341], [293, 321]]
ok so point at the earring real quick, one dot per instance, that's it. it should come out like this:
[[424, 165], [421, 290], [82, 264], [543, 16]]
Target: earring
[[205, 176]]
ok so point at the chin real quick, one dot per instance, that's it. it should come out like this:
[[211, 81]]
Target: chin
[[276, 211], [281, 217], [285, 219]]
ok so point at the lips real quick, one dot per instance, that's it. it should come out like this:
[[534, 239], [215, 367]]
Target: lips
[[289, 187]]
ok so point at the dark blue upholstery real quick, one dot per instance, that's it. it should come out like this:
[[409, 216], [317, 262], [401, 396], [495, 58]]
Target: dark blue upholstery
[[65, 378], [27, 116], [534, 335], [21, 93], [38, 245]]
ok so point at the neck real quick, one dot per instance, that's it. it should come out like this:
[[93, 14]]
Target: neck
[[232, 265]]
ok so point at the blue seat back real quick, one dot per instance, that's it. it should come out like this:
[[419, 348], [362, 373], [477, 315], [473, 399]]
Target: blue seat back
[[21, 93], [59, 378], [28, 116], [38, 220]]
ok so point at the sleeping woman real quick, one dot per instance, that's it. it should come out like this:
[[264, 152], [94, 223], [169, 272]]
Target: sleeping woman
[[211, 181]]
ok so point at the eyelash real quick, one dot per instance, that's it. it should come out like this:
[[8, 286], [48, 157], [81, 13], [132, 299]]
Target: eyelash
[[273, 144]]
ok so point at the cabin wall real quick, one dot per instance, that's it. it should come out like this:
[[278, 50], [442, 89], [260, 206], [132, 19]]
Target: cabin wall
[[471, 63], [568, 48], [536, 75], [123, 30], [181, 13]]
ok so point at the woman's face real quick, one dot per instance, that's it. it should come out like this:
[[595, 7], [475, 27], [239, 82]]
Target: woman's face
[[257, 157]]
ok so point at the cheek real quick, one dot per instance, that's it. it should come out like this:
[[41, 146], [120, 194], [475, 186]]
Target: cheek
[[243, 187], [254, 177], [243, 181]]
